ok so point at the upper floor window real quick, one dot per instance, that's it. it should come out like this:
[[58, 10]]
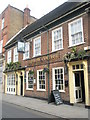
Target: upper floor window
[[41, 80], [9, 56], [57, 39], [76, 32], [58, 79], [26, 54], [37, 46], [15, 55], [1, 46], [2, 23]]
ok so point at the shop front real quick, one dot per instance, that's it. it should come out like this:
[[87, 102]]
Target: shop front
[[14, 83]]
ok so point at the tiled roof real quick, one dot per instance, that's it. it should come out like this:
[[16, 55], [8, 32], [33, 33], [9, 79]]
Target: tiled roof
[[46, 19]]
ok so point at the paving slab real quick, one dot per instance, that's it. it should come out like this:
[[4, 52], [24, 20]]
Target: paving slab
[[63, 110]]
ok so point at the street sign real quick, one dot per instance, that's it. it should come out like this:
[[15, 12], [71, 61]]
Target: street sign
[[21, 47]]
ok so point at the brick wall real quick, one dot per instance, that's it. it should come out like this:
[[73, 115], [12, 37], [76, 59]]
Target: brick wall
[[55, 58], [15, 21]]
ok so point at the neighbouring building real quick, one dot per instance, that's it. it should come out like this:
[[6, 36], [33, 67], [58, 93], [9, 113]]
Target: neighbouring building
[[12, 20], [57, 56]]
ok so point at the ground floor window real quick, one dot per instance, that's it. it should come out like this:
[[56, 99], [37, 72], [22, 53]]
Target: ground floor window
[[41, 80], [11, 83], [29, 79], [1, 71], [58, 78]]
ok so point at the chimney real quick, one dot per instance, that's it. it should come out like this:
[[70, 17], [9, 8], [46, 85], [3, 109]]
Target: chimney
[[26, 16]]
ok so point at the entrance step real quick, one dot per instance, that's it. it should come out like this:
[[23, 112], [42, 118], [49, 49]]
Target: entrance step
[[79, 105]]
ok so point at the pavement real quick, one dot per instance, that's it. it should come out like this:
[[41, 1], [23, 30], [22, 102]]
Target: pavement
[[0, 101], [63, 110]]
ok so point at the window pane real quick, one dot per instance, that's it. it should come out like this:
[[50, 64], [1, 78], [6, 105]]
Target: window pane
[[59, 79], [57, 39], [9, 56], [41, 80], [15, 55], [3, 23], [77, 80], [1, 46], [37, 46], [30, 81], [11, 83], [26, 54], [76, 32]]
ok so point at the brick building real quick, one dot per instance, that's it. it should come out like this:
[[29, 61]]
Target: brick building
[[12, 20], [57, 56]]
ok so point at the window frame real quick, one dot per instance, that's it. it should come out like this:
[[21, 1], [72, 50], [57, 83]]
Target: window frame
[[14, 55], [69, 30], [27, 81], [11, 83], [1, 46], [3, 21], [38, 89], [9, 57], [24, 58], [34, 46], [53, 49], [53, 78]]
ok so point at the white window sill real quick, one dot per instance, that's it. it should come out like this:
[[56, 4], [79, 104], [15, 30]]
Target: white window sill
[[29, 89], [57, 50], [62, 91], [36, 56], [25, 58], [41, 90], [76, 44], [15, 61]]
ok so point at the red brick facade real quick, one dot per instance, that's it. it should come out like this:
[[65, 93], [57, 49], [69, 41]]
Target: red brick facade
[[13, 21], [55, 58]]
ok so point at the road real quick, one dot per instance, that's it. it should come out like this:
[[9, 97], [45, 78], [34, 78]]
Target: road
[[13, 111]]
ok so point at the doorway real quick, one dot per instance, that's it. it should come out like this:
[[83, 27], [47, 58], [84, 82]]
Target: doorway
[[21, 85], [79, 87]]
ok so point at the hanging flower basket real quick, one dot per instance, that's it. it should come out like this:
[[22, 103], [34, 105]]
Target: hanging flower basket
[[13, 66], [45, 70], [31, 72], [74, 54]]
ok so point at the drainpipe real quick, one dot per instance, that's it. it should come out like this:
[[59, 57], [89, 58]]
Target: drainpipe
[[48, 61], [48, 65]]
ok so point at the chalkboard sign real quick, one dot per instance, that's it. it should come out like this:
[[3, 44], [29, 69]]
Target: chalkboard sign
[[57, 97]]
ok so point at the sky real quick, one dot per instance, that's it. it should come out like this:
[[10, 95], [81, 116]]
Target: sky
[[38, 7]]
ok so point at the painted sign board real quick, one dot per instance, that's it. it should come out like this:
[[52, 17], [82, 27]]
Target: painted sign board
[[57, 97]]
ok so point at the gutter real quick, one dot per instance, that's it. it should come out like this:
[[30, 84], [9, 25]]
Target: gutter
[[49, 23]]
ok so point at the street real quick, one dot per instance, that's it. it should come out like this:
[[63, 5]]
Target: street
[[13, 111]]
